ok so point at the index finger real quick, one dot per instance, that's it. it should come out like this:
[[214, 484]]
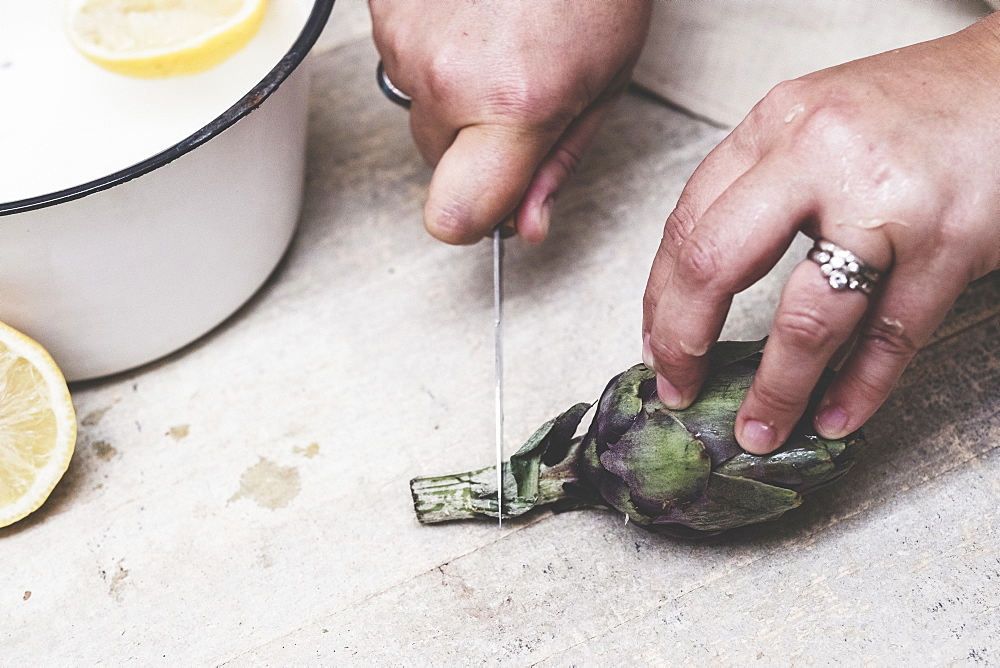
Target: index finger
[[741, 235], [721, 167]]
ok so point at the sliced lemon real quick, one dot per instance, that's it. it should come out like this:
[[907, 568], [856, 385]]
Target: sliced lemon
[[161, 38], [37, 425]]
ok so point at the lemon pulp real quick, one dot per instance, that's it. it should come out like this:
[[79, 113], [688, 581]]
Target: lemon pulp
[[37, 425], [159, 38]]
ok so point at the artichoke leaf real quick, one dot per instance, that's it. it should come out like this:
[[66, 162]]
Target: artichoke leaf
[[731, 502], [474, 494], [597, 487], [803, 463], [620, 403], [725, 353], [618, 496], [712, 418], [660, 462], [590, 471], [525, 464]]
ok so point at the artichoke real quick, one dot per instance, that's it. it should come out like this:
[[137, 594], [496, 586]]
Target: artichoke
[[675, 472]]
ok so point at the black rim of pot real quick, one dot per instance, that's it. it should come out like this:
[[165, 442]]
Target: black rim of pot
[[253, 99]]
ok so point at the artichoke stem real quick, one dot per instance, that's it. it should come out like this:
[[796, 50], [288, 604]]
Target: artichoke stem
[[473, 494], [449, 497], [552, 481]]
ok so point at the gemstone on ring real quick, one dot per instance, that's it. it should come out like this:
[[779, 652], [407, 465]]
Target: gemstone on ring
[[838, 280], [842, 268]]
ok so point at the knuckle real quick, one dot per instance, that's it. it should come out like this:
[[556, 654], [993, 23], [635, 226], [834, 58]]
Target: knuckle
[[679, 225], [867, 389], [700, 261], [804, 327], [776, 399], [444, 76], [550, 103], [538, 105], [534, 105], [887, 337], [826, 127], [950, 234], [503, 96], [949, 242], [788, 91], [778, 100], [667, 355]]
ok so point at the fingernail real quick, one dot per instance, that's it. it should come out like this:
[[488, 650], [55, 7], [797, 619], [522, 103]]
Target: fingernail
[[758, 437], [647, 352], [545, 216], [668, 394], [693, 351], [831, 422]]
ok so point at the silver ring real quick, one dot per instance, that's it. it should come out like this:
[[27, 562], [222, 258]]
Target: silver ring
[[843, 269], [389, 89]]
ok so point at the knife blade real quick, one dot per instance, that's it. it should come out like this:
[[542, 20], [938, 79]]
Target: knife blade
[[500, 232], [498, 360]]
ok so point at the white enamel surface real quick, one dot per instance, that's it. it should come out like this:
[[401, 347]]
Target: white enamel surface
[[65, 121], [124, 276]]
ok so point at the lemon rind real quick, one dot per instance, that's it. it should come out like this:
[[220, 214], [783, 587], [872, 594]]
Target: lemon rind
[[192, 57], [62, 404]]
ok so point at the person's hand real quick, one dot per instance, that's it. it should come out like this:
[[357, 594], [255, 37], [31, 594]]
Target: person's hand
[[895, 158], [507, 95]]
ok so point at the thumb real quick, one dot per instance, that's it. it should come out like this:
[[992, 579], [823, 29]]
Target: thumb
[[481, 179]]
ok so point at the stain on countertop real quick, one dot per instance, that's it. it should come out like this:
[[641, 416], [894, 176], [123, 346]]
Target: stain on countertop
[[94, 417], [104, 450], [308, 452], [269, 485], [117, 583]]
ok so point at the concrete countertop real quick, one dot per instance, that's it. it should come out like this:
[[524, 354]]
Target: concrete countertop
[[245, 501]]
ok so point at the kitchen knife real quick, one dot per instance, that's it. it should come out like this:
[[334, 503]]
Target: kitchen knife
[[500, 232]]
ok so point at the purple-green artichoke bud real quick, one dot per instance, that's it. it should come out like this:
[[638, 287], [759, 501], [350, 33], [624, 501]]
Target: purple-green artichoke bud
[[674, 471]]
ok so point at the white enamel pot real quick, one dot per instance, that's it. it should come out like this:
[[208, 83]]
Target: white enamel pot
[[123, 270]]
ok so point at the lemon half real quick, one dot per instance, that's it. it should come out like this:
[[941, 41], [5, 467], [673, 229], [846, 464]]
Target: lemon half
[[161, 38], [37, 425]]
